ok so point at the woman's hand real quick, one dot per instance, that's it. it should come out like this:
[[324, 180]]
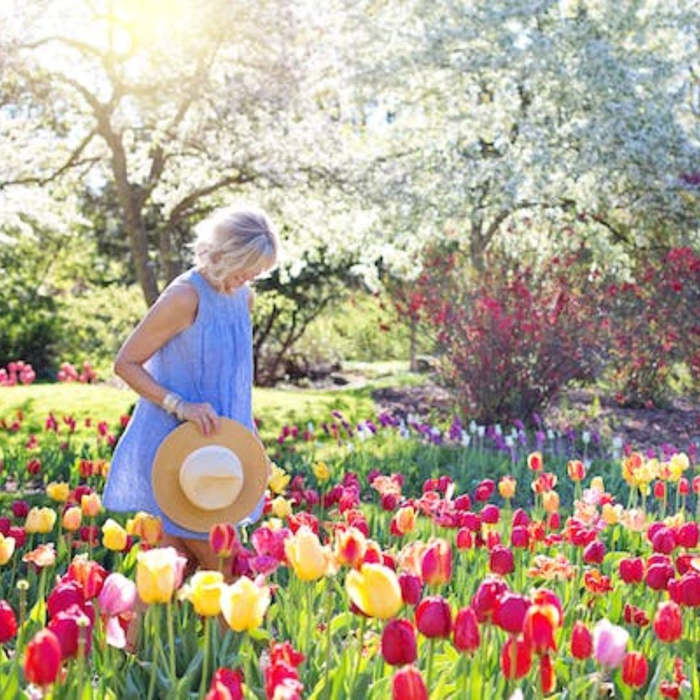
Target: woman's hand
[[202, 415]]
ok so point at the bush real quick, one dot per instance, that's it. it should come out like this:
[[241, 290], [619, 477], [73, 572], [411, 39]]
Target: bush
[[509, 340]]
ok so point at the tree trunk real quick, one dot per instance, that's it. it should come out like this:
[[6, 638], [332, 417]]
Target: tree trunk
[[171, 268], [412, 362]]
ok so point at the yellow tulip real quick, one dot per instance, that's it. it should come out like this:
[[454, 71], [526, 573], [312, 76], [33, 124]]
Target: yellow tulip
[[58, 491], [611, 513], [243, 604], [281, 507], [375, 590], [550, 501], [506, 487], [321, 471], [304, 552], [278, 479], [40, 520], [597, 484], [158, 574], [72, 518], [90, 504], [204, 592], [113, 535], [7, 549]]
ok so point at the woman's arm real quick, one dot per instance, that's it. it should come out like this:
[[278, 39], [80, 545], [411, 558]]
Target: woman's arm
[[174, 311]]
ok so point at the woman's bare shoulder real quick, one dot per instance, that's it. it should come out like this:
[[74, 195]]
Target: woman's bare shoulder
[[179, 301]]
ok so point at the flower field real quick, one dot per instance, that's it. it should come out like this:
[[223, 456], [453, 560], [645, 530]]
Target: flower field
[[395, 559]]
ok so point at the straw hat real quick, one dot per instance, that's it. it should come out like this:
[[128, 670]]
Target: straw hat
[[199, 481]]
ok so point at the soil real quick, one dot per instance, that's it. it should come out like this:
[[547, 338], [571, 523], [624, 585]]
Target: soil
[[677, 424]]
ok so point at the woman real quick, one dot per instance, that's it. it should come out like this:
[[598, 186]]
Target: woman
[[190, 358]]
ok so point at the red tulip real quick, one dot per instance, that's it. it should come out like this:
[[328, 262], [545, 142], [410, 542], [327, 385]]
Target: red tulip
[[658, 575], [226, 684], [8, 622], [466, 631], [436, 563], [581, 641], [223, 540], [634, 669], [20, 509], [686, 591], [576, 470], [399, 643], [594, 553], [510, 613], [668, 623], [463, 502], [490, 514], [42, 658], [534, 461], [539, 625], [663, 540], [408, 684], [485, 600], [411, 588], [464, 539], [683, 486], [389, 501], [433, 617], [63, 595], [5, 525], [66, 627], [523, 658], [631, 570], [519, 536], [687, 535], [501, 560], [520, 517], [660, 490]]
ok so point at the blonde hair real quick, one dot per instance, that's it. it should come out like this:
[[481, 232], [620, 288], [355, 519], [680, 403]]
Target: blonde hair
[[235, 238]]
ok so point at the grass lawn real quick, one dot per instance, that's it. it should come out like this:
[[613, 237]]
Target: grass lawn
[[273, 407]]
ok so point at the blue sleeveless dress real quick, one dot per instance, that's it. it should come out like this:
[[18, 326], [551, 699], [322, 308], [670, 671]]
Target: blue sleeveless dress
[[212, 361]]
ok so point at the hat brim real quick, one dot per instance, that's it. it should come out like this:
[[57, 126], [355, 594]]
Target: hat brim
[[165, 475]]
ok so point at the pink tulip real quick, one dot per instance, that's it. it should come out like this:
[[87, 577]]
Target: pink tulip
[[118, 595], [609, 644]]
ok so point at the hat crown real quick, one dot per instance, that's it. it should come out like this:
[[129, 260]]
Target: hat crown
[[211, 477]]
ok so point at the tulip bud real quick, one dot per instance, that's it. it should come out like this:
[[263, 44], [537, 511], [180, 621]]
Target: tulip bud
[[42, 658], [433, 617], [466, 631], [411, 588], [668, 623], [464, 539], [634, 669], [223, 540], [581, 641], [534, 461], [399, 643], [501, 560], [631, 570]]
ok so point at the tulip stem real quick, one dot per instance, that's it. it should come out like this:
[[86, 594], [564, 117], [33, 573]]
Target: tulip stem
[[309, 618], [171, 640], [431, 652], [363, 623], [152, 613], [205, 663], [329, 611]]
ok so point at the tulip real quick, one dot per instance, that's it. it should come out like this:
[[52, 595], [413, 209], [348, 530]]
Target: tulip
[[506, 487], [40, 520], [486, 598], [66, 626], [581, 641], [609, 642], [634, 669], [464, 539], [375, 590], [658, 576], [281, 507], [534, 461], [663, 540], [158, 573], [411, 588], [659, 490], [148, 528], [466, 631], [688, 535], [484, 490], [278, 479], [519, 537], [510, 613], [20, 509], [576, 470], [244, 604], [204, 592], [594, 553], [223, 540], [88, 573], [539, 624], [90, 504], [686, 591], [490, 514], [7, 548], [408, 684], [520, 518], [436, 563], [631, 570], [404, 520], [72, 518], [118, 595], [306, 555], [668, 623], [433, 617], [399, 643], [58, 491], [547, 678], [350, 547], [42, 659], [501, 560], [522, 656], [226, 684], [8, 622], [550, 501], [321, 471], [113, 535]]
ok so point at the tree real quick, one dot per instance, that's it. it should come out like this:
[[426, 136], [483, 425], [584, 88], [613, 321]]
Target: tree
[[169, 104], [531, 114]]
